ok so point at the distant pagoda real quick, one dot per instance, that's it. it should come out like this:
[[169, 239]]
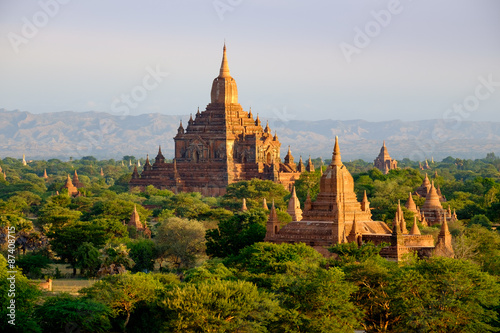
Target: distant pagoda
[[384, 162]]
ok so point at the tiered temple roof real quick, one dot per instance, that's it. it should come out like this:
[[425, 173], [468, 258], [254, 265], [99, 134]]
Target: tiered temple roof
[[384, 162]]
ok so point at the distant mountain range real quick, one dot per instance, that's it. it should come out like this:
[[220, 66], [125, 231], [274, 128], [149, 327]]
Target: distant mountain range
[[104, 136]]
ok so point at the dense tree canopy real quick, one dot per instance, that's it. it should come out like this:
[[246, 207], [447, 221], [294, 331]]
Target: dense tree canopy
[[221, 275]]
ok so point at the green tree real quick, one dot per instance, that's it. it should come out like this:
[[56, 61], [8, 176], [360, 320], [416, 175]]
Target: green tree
[[236, 232], [219, 306], [115, 259], [445, 295], [87, 259], [320, 302], [181, 241], [481, 220], [374, 295], [66, 241], [212, 269], [272, 265], [315, 299], [32, 264], [351, 252], [116, 209], [485, 247], [122, 293], [187, 205], [143, 252], [308, 182], [254, 191], [57, 216], [63, 313]]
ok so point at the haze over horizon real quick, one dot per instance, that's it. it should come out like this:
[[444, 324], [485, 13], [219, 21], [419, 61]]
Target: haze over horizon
[[292, 60]]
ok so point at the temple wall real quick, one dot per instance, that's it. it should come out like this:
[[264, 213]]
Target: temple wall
[[419, 240], [377, 239]]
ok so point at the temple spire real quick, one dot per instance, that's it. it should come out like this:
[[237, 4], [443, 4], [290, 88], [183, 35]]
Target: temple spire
[[267, 129], [426, 179], [244, 205], [354, 235], [443, 245], [180, 129], [294, 207], [224, 90], [336, 160], [135, 174], [159, 158], [410, 204], [301, 167], [444, 227], [224, 67], [135, 220], [289, 157], [365, 204], [273, 216], [414, 229], [402, 221], [310, 165]]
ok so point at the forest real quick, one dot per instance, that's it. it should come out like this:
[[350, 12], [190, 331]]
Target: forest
[[205, 267]]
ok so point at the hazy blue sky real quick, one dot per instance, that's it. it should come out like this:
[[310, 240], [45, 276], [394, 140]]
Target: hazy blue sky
[[285, 55]]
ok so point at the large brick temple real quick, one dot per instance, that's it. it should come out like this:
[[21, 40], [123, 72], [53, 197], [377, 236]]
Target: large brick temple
[[336, 216], [221, 145]]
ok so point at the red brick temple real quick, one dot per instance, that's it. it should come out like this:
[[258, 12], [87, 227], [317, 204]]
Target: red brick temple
[[336, 216], [221, 145]]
